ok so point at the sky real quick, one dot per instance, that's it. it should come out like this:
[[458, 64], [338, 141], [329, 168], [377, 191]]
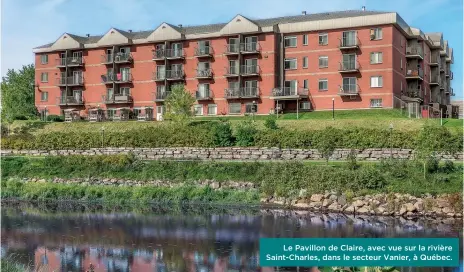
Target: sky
[[26, 24]]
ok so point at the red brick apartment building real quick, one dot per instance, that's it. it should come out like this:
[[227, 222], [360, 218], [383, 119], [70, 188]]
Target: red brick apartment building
[[310, 62]]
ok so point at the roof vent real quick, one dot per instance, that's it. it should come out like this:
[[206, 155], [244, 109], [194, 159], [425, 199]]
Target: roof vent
[[363, 8], [130, 30], [88, 35], [303, 12], [179, 26]]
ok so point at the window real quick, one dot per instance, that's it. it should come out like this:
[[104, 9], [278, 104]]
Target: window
[[376, 34], [323, 61], [290, 87], [304, 105], [305, 62], [376, 57], [290, 41], [110, 113], [323, 38], [323, 84], [401, 85], [290, 64], [349, 85], [376, 81], [136, 112], [44, 96], [235, 108], [376, 103], [43, 59], [305, 39], [251, 108], [198, 109], [44, 77], [212, 109], [124, 91], [305, 84], [401, 64], [349, 38]]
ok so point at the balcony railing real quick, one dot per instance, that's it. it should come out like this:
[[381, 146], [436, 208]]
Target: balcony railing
[[70, 100], [122, 57], [159, 54], [414, 52], [204, 95], [71, 61], [414, 92], [205, 51], [245, 92], [70, 81], [116, 98], [434, 80], [232, 48], [348, 89], [107, 58], [117, 78], [348, 43], [289, 92], [204, 73], [175, 53], [434, 60], [231, 71], [414, 73], [160, 95], [251, 47], [174, 74], [348, 66], [159, 75], [248, 70]]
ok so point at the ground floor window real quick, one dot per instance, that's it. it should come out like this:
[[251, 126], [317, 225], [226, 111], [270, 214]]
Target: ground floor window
[[235, 108], [304, 105], [376, 103], [110, 113], [136, 112], [251, 108], [212, 109], [198, 109]]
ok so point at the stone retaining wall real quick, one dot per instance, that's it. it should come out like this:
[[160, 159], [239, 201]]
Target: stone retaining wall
[[233, 153]]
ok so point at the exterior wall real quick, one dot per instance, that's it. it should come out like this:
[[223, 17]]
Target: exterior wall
[[50, 86]]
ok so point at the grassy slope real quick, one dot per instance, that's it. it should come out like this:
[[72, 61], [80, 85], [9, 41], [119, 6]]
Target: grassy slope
[[380, 118]]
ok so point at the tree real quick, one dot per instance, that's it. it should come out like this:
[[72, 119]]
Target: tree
[[326, 142], [18, 94], [179, 104]]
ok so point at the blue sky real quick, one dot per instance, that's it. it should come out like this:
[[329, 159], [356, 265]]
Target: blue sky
[[30, 23]]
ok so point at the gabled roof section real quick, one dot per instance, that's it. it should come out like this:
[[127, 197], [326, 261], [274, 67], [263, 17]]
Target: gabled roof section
[[114, 37], [166, 31], [436, 38], [67, 41], [240, 24]]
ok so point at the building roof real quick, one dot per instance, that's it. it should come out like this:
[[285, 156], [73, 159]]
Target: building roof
[[200, 29]]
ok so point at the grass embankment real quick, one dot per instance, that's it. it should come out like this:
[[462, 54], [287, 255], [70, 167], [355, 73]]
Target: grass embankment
[[271, 178]]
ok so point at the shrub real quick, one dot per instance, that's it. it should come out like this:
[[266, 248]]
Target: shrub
[[448, 167], [55, 118], [432, 165], [4, 130], [370, 178], [327, 142], [270, 122], [222, 134], [352, 163], [246, 133]]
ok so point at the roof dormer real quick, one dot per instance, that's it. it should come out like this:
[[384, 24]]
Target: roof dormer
[[66, 41], [165, 32], [114, 37], [240, 24]]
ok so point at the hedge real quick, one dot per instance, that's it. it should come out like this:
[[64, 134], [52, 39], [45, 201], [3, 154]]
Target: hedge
[[214, 134]]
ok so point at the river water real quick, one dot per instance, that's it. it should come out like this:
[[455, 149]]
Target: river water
[[59, 237]]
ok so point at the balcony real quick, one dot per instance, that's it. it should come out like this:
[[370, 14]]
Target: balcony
[[107, 59], [434, 80], [175, 53], [70, 100], [250, 48], [442, 65], [289, 93], [123, 58], [348, 67], [448, 73], [70, 81], [245, 92], [201, 52], [414, 52], [159, 76], [434, 60], [414, 92], [415, 74], [232, 49], [348, 89], [231, 72], [349, 44], [159, 54], [116, 99], [203, 95], [116, 78], [204, 73], [160, 96], [249, 70], [174, 74], [70, 62]]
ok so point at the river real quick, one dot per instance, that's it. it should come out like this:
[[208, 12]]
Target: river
[[78, 237]]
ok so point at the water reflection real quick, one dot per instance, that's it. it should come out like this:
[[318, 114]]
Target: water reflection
[[177, 241]]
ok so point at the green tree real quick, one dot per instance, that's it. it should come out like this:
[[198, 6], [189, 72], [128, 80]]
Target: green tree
[[18, 94], [179, 104], [327, 142]]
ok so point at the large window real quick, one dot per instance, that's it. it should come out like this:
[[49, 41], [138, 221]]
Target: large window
[[43, 59], [290, 64], [305, 105], [323, 84], [349, 85], [44, 96], [212, 109], [376, 33], [376, 57], [323, 38], [44, 77], [198, 109], [376, 81], [290, 41], [323, 61], [235, 108], [376, 103]]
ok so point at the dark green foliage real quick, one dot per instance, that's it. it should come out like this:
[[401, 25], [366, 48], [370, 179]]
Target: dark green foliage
[[222, 134], [246, 133], [432, 165], [352, 163], [270, 122], [448, 167], [55, 118]]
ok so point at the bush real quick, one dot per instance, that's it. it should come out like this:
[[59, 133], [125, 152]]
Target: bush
[[352, 163], [270, 122], [370, 178], [222, 134], [246, 133], [448, 167], [55, 118], [432, 165]]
